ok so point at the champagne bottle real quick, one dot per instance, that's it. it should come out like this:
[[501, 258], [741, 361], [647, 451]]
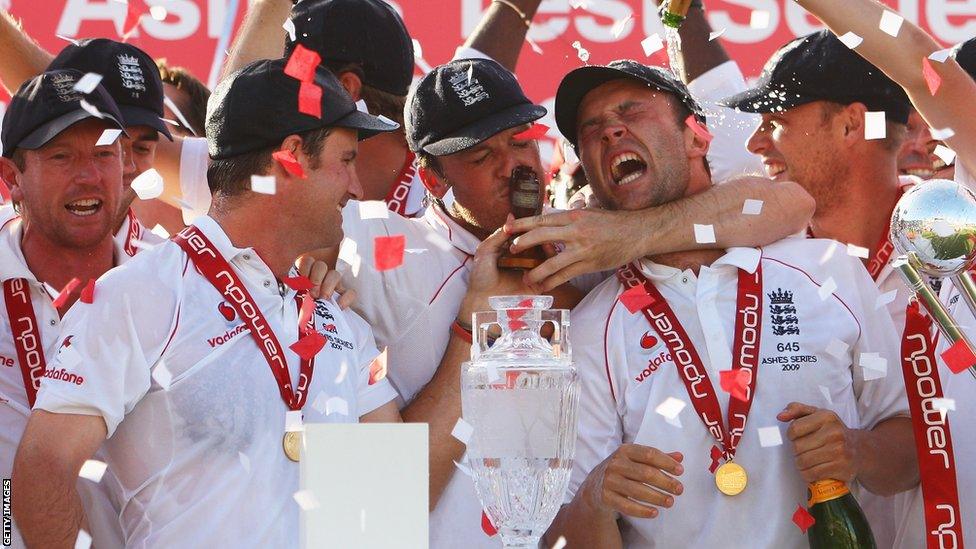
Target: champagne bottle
[[526, 196], [675, 13], [840, 521]]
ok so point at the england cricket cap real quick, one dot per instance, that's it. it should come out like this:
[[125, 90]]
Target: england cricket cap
[[129, 75], [257, 107], [462, 103], [47, 104], [367, 32], [965, 54], [583, 80], [819, 67]]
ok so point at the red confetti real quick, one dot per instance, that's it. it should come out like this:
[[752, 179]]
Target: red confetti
[[636, 298], [308, 307], [958, 357], [289, 163], [537, 131], [309, 346], [302, 64], [88, 292], [134, 11], [388, 251], [932, 78], [699, 128], [734, 382], [298, 283], [803, 519], [66, 293], [487, 526], [377, 368], [310, 99]]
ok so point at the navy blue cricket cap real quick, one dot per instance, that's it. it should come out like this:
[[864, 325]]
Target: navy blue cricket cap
[[47, 104], [583, 80], [129, 75], [819, 67], [257, 107]]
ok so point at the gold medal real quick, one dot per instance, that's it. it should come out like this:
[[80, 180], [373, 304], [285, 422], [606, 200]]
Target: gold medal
[[731, 478], [292, 443]]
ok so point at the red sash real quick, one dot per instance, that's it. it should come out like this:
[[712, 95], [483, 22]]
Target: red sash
[[691, 369], [27, 335]]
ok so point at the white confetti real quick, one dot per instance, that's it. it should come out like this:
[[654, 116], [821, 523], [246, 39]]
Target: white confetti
[[752, 207], [560, 543], [108, 137], [162, 375], [337, 405], [289, 27], [306, 500], [759, 19], [87, 84], [293, 421], [462, 430], [532, 44], [940, 56], [943, 228], [671, 407], [885, 298], [829, 253], [945, 154], [944, 405], [160, 231], [826, 393], [704, 234], [890, 22], [579, 4], [874, 125], [418, 51], [91, 109], [621, 25], [341, 376], [857, 251], [93, 470], [581, 52], [851, 40], [941, 135], [158, 13], [361, 106], [148, 184], [652, 44], [770, 436], [84, 540], [837, 348], [387, 121], [264, 184], [67, 39], [348, 254], [463, 467], [873, 365], [245, 461], [715, 34], [827, 289]]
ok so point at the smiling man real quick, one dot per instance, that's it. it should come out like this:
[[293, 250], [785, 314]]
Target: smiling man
[[671, 326]]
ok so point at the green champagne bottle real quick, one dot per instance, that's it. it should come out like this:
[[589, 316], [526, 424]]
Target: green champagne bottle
[[840, 520], [675, 13]]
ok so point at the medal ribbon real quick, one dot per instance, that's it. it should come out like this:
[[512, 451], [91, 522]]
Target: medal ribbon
[[936, 463], [396, 200], [26, 333], [221, 275], [135, 233], [691, 369]]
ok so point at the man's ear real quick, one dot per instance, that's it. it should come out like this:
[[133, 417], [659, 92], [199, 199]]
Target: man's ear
[[854, 124], [10, 175], [292, 147], [697, 138], [435, 184], [351, 81]]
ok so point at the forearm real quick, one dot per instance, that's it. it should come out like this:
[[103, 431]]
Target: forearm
[[23, 58], [885, 457], [439, 406], [698, 54], [46, 505], [584, 526], [786, 210], [501, 32], [260, 36]]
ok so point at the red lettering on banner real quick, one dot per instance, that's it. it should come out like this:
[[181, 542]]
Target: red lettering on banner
[[26, 334]]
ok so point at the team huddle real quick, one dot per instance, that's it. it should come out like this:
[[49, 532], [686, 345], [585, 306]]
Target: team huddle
[[725, 255]]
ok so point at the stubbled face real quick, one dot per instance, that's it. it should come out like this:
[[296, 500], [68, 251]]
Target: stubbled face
[[480, 177], [802, 144], [327, 188], [916, 155], [70, 189], [632, 146], [138, 155]]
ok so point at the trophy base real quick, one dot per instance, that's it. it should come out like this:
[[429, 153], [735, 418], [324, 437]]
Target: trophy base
[[521, 263]]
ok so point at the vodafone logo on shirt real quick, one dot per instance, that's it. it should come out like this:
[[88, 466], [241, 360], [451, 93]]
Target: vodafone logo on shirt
[[649, 342]]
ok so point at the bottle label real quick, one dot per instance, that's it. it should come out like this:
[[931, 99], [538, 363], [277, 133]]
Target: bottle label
[[826, 490]]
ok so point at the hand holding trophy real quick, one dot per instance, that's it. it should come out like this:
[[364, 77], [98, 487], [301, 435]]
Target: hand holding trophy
[[933, 228]]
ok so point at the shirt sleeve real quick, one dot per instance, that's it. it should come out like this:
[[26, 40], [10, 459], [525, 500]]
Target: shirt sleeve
[[600, 430], [727, 153], [372, 388], [108, 347], [194, 161]]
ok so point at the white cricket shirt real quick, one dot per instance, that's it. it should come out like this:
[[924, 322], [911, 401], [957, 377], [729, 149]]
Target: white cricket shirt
[[810, 352], [195, 418], [14, 408]]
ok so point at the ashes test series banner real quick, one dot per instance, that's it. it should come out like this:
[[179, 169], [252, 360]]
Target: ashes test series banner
[[193, 33]]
